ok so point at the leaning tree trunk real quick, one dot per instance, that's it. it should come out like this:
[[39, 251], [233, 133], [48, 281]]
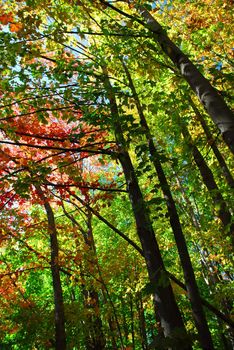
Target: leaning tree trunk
[[164, 299], [213, 102], [211, 141], [60, 335], [190, 281], [210, 307], [209, 181], [212, 275]]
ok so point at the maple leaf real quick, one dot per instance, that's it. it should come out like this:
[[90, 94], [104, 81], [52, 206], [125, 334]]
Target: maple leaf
[[6, 18], [15, 27]]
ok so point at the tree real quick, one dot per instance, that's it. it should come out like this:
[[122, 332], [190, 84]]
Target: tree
[[92, 160], [209, 97]]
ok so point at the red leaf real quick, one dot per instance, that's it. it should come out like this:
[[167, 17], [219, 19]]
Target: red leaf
[[6, 18]]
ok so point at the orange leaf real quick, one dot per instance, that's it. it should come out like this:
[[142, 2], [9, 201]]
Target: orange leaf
[[6, 18], [15, 27]]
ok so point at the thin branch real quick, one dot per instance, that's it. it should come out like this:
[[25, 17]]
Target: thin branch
[[37, 111], [110, 34], [106, 189], [75, 149]]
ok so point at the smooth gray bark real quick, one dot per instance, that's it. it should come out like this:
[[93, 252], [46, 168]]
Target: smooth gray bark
[[213, 102]]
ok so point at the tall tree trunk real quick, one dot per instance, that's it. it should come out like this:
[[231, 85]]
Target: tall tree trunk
[[124, 320], [209, 181], [210, 307], [212, 275], [132, 321], [112, 321], [114, 325], [212, 101], [223, 165], [190, 281], [164, 299], [141, 317], [95, 339], [189, 207], [60, 335], [97, 332]]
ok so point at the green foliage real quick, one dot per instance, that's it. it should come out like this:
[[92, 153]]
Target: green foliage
[[58, 132]]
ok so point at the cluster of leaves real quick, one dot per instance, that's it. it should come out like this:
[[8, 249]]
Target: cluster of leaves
[[57, 135]]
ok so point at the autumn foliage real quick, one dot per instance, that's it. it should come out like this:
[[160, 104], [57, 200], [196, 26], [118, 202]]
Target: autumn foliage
[[106, 153]]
